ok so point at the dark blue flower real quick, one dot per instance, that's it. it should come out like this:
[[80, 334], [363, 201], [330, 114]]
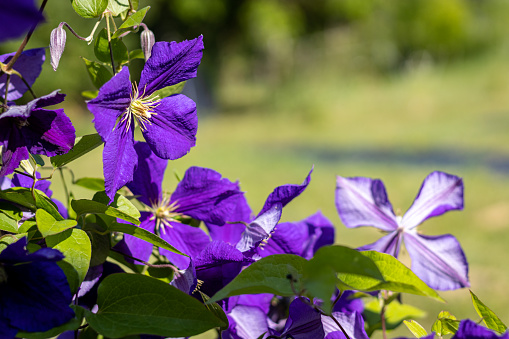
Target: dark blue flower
[[17, 17]]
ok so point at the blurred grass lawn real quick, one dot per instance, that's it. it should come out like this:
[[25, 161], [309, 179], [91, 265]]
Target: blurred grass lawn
[[398, 129]]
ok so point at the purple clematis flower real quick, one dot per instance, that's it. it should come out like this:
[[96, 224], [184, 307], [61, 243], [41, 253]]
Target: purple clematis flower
[[30, 128], [29, 65], [17, 17], [470, 330], [438, 260], [34, 292], [169, 124]]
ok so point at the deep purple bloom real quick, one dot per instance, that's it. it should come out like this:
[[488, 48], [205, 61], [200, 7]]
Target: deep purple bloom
[[17, 17], [30, 128], [34, 292], [470, 330], [438, 260], [352, 323], [29, 65], [169, 125]]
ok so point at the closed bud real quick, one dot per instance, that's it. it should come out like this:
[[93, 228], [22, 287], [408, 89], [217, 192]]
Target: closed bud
[[57, 45], [147, 41]]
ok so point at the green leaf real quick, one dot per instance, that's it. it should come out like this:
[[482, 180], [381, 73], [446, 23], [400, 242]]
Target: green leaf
[[45, 203], [395, 314], [71, 325], [170, 90], [267, 275], [48, 225], [320, 273], [120, 208], [89, 95], [37, 159], [128, 302], [100, 240], [30, 228], [136, 54], [398, 278], [11, 210], [216, 309], [450, 325], [95, 184], [437, 325], [8, 224], [75, 245], [82, 146], [417, 330], [102, 48], [23, 196], [490, 319], [117, 7], [89, 8], [97, 72], [132, 20]]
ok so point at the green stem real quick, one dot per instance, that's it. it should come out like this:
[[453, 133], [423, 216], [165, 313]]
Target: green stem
[[65, 186], [109, 43], [7, 82]]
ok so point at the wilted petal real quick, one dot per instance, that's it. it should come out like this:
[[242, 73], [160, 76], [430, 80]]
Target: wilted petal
[[284, 194], [186, 282], [246, 322], [470, 330], [438, 260], [148, 176], [57, 45], [260, 228], [29, 65], [139, 248], [439, 193], [303, 321], [112, 101], [390, 244], [171, 63], [172, 129], [18, 17], [363, 202], [352, 323]]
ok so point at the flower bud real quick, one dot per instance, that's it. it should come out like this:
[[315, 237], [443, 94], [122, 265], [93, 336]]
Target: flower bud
[[147, 41], [57, 45]]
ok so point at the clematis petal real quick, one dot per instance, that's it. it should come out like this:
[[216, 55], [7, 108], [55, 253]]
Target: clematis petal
[[139, 248], [284, 194], [18, 17], [303, 321], [438, 260], [262, 301], [470, 330], [186, 281], [171, 63], [11, 158], [363, 202], [148, 176], [260, 228], [19, 180], [119, 159], [231, 233], [352, 323], [172, 129], [246, 322], [440, 192], [390, 244], [187, 239], [204, 194], [29, 65], [112, 101]]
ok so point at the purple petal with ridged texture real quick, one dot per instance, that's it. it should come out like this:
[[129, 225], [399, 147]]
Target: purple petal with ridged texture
[[217, 265], [171, 63], [470, 330], [204, 194], [438, 260], [172, 129], [148, 176], [303, 321], [112, 101], [187, 239], [390, 244], [363, 202], [29, 65], [139, 248], [301, 238], [260, 228], [186, 281], [440, 192], [17, 17], [19, 180], [246, 322], [284, 194], [352, 323], [231, 233], [119, 159]]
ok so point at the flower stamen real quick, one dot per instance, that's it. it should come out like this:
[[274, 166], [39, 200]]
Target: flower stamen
[[140, 109]]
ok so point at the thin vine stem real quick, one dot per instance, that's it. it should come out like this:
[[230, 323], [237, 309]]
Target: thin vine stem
[[109, 43]]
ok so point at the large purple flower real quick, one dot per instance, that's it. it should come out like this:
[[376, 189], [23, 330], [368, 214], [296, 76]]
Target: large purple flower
[[437, 260], [17, 17], [30, 128], [169, 125], [34, 292], [470, 330]]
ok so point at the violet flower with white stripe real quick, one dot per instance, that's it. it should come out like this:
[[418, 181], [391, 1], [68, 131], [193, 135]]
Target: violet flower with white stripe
[[169, 124], [438, 260]]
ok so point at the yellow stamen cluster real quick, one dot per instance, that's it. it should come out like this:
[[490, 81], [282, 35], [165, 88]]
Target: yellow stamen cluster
[[141, 108], [164, 212]]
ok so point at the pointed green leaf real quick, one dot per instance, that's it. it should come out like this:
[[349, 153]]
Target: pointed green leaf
[[132, 20], [99, 75], [102, 48], [11, 210], [95, 184], [450, 325], [417, 330], [489, 318], [398, 278], [71, 325], [89, 95], [272, 274], [121, 207], [89, 8], [75, 245], [136, 54], [23, 196], [100, 240], [170, 90], [216, 309], [48, 225], [8, 224], [117, 7], [437, 325], [132, 304], [82, 146], [395, 314]]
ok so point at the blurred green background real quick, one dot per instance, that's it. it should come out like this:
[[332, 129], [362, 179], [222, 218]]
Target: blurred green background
[[392, 89]]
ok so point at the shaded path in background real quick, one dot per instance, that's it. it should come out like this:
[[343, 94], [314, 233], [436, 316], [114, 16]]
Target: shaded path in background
[[496, 162]]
